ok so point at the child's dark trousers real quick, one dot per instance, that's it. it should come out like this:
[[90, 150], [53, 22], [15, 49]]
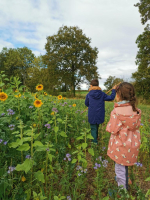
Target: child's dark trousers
[[94, 132]]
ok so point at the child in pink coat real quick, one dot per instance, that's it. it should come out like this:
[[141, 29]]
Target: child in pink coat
[[124, 143]]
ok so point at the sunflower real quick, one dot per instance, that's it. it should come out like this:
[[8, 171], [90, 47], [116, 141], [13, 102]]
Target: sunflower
[[38, 103], [64, 98], [45, 93], [39, 87], [23, 179], [52, 113], [74, 105], [34, 125], [59, 97], [3, 96]]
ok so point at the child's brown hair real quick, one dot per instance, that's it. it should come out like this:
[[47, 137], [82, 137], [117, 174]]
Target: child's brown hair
[[126, 91], [94, 82]]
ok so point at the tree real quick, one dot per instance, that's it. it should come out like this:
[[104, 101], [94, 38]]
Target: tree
[[111, 81], [142, 75], [70, 58], [144, 9], [15, 62]]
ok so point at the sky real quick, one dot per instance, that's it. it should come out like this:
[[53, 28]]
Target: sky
[[112, 25]]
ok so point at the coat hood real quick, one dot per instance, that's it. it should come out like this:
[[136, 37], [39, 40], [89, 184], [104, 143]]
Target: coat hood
[[95, 92], [133, 120]]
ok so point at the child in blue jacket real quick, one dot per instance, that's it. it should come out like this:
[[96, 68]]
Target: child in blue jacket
[[95, 100]]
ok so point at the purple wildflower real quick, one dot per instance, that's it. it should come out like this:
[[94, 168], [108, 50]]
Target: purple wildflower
[[70, 106], [48, 126], [47, 149], [11, 169], [10, 112], [104, 162], [1, 140], [5, 143], [138, 164], [97, 166], [2, 114], [68, 198], [99, 158], [30, 106], [83, 121], [11, 126], [141, 124], [54, 110], [78, 168], [79, 174], [65, 103], [67, 157], [28, 156], [103, 148]]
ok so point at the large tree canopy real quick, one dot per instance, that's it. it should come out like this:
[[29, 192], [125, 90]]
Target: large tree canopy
[[144, 9], [15, 62], [70, 58]]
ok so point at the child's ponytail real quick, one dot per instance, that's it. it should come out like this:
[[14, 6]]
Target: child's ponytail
[[126, 92]]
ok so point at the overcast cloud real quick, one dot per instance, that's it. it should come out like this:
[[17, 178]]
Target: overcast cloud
[[113, 26]]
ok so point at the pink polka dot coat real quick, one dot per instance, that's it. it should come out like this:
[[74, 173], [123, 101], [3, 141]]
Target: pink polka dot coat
[[125, 139]]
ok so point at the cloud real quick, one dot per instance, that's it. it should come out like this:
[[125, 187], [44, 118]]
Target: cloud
[[113, 27]]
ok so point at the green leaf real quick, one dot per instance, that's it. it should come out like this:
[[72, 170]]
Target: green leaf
[[41, 148], [106, 198], [63, 134], [15, 144], [50, 156], [89, 136], [25, 166], [25, 139], [79, 138], [56, 129], [83, 160], [91, 151], [144, 139], [148, 193], [75, 152], [84, 145], [74, 161], [148, 179], [56, 198], [59, 120], [37, 143], [24, 147], [39, 176]]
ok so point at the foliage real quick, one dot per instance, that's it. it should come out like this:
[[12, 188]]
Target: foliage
[[142, 75], [144, 10], [15, 62], [70, 58], [111, 81]]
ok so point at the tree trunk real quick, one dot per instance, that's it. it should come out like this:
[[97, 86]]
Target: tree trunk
[[73, 80]]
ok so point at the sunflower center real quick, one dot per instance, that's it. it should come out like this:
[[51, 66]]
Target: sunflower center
[[38, 102], [3, 96]]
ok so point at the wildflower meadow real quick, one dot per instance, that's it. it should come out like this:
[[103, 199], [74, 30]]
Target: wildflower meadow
[[46, 150]]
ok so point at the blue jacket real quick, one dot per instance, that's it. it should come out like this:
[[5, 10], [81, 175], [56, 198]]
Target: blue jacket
[[95, 100]]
